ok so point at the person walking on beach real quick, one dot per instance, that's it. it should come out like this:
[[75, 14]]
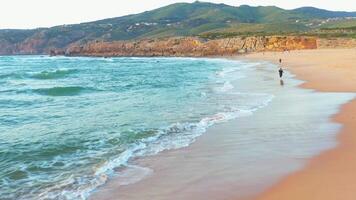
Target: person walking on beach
[[280, 68], [280, 72]]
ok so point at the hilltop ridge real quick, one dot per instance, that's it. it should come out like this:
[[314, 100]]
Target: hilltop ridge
[[199, 19]]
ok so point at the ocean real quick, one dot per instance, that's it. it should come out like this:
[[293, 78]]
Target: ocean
[[67, 124]]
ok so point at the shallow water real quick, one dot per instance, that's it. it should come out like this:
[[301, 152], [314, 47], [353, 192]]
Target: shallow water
[[243, 157], [67, 123]]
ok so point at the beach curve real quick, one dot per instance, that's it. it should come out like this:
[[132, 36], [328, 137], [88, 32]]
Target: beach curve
[[330, 175]]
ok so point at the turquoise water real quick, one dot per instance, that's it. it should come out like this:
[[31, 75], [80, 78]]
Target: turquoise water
[[67, 123]]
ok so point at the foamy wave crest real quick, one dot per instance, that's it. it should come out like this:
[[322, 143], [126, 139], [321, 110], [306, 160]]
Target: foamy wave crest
[[132, 174], [56, 74], [88, 166], [11, 76], [61, 91], [175, 136], [226, 71], [227, 86]]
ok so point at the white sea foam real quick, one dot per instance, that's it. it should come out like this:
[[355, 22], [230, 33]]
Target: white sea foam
[[226, 71], [175, 136], [227, 86], [132, 174]]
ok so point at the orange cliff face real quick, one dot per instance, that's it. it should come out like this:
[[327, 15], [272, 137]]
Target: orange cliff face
[[192, 46], [180, 46], [333, 43], [290, 43]]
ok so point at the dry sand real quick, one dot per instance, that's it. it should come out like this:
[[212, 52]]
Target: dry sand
[[331, 175], [241, 158], [219, 165]]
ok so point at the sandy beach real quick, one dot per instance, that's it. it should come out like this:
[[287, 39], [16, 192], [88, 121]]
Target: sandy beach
[[241, 158], [178, 100], [331, 175]]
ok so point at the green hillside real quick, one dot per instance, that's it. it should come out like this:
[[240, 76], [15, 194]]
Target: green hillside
[[180, 19]]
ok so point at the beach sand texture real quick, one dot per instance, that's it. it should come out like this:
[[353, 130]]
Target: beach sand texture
[[331, 175], [222, 165]]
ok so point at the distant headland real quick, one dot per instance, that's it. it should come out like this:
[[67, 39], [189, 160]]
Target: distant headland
[[190, 29]]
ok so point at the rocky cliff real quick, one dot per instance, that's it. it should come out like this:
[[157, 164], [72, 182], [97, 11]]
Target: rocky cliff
[[332, 43], [192, 46], [38, 41], [179, 46]]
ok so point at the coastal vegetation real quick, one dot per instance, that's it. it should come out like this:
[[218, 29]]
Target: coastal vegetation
[[199, 19]]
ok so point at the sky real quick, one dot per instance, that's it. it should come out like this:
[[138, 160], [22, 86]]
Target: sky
[[25, 14]]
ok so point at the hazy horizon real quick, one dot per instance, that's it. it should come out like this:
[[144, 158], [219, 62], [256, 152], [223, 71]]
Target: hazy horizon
[[42, 13]]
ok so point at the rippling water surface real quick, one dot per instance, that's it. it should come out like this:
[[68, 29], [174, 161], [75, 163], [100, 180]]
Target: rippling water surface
[[67, 123]]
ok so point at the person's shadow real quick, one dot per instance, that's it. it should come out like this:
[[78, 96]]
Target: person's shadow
[[281, 82]]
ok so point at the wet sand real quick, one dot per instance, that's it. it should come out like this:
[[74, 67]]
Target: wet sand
[[332, 174], [239, 158]]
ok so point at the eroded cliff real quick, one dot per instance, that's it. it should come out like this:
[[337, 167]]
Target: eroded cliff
[[179, 46], [333, 43], [191, 46]]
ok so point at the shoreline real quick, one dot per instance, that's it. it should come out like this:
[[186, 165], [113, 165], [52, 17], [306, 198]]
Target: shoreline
[[226, 149], [330, 175], [306, 65]]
